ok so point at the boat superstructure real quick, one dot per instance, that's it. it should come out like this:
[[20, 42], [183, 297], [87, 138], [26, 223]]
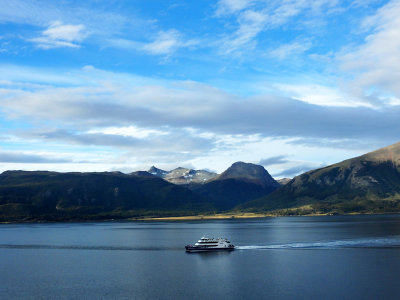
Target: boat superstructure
[[211, 244]]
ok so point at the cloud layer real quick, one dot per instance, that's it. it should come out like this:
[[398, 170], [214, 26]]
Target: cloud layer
[[287, 84], [193, 105]]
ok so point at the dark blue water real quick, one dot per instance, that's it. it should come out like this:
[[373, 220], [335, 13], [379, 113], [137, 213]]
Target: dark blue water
[[336, 257]]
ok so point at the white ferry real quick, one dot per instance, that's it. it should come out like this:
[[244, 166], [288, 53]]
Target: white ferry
[[211, 244]]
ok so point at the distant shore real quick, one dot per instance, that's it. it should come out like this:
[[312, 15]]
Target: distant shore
[[239, 215], [245, 216], [220, 216], [154, 218], [206, 217]]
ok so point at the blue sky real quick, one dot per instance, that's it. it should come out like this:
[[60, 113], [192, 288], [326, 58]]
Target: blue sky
[[123, 85]]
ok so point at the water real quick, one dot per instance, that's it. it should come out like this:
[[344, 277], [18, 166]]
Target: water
[[335, 257]]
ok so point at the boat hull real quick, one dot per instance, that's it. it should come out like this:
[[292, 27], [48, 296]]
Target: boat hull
[[190, 248]]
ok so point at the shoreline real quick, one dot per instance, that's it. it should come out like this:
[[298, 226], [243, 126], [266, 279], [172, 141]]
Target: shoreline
[[220, 216], [244, 216], [207, 217]]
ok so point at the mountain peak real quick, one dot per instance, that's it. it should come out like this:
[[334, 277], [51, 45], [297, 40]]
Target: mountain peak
[[248, 172], [389, 153], [157, 172], [183, 175]]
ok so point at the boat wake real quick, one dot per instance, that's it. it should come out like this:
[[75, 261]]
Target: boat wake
[[388, 242]]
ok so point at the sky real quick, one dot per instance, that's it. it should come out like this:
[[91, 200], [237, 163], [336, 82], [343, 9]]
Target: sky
[[123, 85]]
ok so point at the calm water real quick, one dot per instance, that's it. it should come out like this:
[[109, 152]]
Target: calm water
[[338, 257]]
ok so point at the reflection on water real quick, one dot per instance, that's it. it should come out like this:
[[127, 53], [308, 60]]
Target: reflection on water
[[211, 254]]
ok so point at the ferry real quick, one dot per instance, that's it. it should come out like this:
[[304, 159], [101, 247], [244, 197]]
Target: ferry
[[210, 244]]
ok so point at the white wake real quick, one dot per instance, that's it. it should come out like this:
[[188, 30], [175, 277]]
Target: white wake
[[387, 242]]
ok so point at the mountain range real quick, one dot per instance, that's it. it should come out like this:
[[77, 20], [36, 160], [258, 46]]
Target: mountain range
[[366, 184], [183, 175], [241, 182], [43, 195]]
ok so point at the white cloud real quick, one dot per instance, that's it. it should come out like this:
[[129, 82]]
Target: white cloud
[[231, 6], [363, 3], [319, 95], [59, 31], [374, 65], [291, 49], [166, 43], [97, 20], [61, 35], [254, 17], [251, 23], [129, 131], [124, 44]]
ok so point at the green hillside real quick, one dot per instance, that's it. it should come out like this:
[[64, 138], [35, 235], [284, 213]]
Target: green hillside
[[366, 184], [65, 196]]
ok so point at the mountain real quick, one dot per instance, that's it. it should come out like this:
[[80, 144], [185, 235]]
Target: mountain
[[239, 183], [157, 172], [248, 172], [368, 183], [62, 196], [183, 175], [283, 181]]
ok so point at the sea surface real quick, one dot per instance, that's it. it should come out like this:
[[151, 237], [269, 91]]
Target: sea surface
[[332, 257]]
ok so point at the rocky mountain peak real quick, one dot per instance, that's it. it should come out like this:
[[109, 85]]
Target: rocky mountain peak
[[183, 175], [248, 172], [157, 172]]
